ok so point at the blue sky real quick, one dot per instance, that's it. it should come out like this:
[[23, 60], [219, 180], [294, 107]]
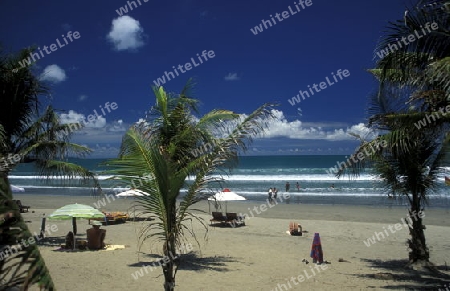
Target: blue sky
[[117, 58]]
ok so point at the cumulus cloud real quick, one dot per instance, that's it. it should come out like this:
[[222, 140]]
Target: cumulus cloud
[[53, 73], [71, 117], [126, 33], [281, 127], [89, 122], [118, 126], [232, 77]]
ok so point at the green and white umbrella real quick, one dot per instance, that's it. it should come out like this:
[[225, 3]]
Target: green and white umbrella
[[74, 211]]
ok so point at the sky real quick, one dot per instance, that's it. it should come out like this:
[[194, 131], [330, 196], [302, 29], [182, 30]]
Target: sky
[[101, 58]]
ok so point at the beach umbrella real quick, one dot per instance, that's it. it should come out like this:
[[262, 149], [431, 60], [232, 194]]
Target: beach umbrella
[[17, 189], [74, 211], [132, 193], [226, 195]]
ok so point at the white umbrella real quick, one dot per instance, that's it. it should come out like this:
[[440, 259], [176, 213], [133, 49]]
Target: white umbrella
[[132, 193], [17, 189], [226, 195]]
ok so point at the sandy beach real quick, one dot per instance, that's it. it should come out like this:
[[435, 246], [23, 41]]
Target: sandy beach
[[257, 256]]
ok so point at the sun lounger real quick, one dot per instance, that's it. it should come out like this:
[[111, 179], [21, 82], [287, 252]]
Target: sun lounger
[[112, 218], [234, 219], [22, 208], [116, 217], [295, 228], [218, 217]]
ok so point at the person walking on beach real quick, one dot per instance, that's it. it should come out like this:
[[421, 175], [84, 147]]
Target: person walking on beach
[[298, 187], [275, 193]]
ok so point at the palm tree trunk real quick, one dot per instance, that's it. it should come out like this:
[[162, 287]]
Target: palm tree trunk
[[170, 253], [169, 280], [417, 243]]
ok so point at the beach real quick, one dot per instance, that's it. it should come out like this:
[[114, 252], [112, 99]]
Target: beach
[[257, 256]]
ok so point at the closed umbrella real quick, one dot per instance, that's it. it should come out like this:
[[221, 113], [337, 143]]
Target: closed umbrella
[[74, 211]]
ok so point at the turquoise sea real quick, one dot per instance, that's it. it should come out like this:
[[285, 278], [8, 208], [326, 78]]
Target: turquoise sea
[[254, 176]]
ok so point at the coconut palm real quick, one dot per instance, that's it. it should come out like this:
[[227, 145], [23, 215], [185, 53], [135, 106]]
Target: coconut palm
[[414, 87], [28, 134], [162, 154]]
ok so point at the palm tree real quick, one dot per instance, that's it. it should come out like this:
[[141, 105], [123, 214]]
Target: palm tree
[[162, 155], [414, 86], [28, 135]]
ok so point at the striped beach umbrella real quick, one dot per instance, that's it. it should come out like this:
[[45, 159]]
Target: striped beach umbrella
[[74, 211]]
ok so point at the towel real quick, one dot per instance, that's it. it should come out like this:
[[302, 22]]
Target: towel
[[114, 247]]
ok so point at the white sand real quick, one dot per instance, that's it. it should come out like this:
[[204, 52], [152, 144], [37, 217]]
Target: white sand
[[258, 256]]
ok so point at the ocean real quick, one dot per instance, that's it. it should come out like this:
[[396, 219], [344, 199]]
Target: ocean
[[252, 178]]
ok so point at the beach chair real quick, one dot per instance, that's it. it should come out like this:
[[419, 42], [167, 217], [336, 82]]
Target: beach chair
[[217, 217], [22, 208], [112, 218], [295, 228], [234, 219], [116, 217]]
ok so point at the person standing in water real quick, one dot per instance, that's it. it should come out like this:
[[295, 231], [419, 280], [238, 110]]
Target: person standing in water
[[288, 186]]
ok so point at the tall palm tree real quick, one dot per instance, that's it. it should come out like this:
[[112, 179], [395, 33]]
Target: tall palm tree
[[162, 155], [414, 86], [28, 135]]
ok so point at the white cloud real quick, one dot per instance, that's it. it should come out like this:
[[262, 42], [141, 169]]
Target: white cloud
[[296, 129], [118, 126], [72, 117], [126, 33], [280, 127], [98, 122], [232, 77], [53, 73], [101, 136]]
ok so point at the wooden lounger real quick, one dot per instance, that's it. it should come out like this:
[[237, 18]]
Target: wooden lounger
[[234, 219], [217, 217], [22, 208]]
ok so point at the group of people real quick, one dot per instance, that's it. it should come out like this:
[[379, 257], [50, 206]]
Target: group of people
[[288, 186], [273, 194]]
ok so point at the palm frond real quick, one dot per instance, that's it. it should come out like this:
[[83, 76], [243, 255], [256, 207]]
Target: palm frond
[[21, 263]]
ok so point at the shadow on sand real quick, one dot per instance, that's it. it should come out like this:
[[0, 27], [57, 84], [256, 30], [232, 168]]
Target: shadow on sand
[[192, 261], [397, 270]]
